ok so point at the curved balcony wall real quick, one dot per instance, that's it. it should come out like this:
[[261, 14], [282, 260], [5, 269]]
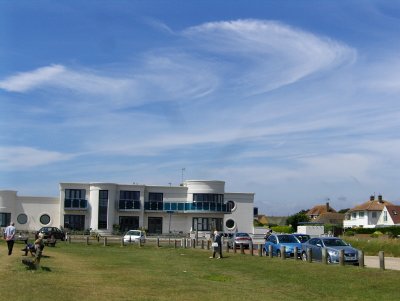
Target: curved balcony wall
[[201, 186]]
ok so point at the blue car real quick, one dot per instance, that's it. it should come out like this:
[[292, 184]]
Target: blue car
[[278, 240]]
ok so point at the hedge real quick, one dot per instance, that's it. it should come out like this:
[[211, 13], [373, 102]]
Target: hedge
[[392, 230]]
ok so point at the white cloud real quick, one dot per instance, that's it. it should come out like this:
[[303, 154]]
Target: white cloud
[[275, 54], [25, 81], [27, 157]]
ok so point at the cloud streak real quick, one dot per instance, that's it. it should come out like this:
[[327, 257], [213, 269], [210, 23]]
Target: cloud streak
[[28, 157], [276, 54]]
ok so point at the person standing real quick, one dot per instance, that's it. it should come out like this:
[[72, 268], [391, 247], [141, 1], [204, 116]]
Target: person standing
[[217, 245], [9, 234]]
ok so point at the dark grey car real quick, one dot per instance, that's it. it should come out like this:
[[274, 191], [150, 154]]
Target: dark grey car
[[332, 245]]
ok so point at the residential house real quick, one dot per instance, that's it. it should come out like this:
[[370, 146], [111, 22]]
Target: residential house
[[318, 210], [390, 216], [367, 214]]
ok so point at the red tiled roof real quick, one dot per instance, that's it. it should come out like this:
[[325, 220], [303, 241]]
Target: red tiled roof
[[319, 209], [374, 205], [394, 212], [330, 218]]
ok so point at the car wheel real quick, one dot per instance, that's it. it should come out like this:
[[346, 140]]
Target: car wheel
[[278, 253], [304, 256]]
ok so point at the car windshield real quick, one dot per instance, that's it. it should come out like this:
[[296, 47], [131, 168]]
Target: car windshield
[[334, 242], [287, 239], [134, 233], [242, 235]]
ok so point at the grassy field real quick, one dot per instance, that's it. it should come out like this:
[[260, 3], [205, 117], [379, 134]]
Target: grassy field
[[95, 272], [372, 246]]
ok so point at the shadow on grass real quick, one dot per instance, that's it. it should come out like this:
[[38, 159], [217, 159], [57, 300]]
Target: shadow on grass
[[41, 268]]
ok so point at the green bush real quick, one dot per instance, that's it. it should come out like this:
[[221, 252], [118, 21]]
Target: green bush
[[349, 233], [282, 229], [376, 234]]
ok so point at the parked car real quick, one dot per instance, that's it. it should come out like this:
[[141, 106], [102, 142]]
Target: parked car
[[240, 238], [302, 237], [134, 236], [279, 240], [332, 245], [51, 232]]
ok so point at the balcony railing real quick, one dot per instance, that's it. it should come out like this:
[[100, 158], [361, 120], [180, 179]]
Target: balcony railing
[[75, 204], [128, 204], [184, 207]]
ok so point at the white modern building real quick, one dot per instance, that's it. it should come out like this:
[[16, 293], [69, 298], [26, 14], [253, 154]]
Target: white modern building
[[194, 206]]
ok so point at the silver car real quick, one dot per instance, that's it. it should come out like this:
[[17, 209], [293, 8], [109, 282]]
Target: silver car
[[332, 245], [134, 236]]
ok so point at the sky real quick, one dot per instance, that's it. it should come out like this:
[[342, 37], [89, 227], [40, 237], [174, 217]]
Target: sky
[[295, 101]]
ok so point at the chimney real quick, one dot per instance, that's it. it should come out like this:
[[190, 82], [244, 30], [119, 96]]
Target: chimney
[[372, 198], [380, 198], [327, 207]]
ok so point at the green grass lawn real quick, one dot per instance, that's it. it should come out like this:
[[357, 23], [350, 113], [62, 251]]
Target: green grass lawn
[[78, 271], [372, 246]]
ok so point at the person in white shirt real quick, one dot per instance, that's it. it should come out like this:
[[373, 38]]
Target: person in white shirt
[[9, 235]]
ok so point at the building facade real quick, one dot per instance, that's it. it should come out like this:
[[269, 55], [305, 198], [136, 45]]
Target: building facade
[[194, 206]]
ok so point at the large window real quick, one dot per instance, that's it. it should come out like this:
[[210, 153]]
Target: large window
[[75, 193], [129, 200], [208, 198], [103, 209], [5, 219], [155, 201], [206, 224], [75, 199], [74, 222], [208, 201], [128, 223]]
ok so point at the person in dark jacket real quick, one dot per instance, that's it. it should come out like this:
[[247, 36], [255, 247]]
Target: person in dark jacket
[[217, 245]]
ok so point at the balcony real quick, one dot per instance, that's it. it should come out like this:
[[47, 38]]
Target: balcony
[[186, 207], [75, 204], [128, 205]]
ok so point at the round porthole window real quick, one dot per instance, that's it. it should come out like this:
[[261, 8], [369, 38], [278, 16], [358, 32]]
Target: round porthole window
[[45, 219], [22, 219], [230, 224]]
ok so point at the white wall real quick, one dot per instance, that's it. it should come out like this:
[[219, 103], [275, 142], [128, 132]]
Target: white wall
[[32, 207], [242, 214]]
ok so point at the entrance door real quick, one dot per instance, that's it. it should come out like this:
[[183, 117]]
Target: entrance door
[[155, 225], [128, 223]]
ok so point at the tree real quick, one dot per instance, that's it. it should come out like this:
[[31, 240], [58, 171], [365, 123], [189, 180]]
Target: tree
[[297, 218]]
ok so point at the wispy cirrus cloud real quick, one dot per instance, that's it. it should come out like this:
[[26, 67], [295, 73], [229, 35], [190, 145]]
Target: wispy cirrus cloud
[[17, 157], [61, 77], [274, 54], [26, 81], [245, 56]]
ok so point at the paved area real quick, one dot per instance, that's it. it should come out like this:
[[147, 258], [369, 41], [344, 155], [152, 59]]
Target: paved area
[[391, 263]]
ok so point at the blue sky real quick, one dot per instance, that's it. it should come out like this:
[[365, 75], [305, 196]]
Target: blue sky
[[296, 101]]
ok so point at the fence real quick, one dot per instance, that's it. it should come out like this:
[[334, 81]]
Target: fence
[[253, 249]]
